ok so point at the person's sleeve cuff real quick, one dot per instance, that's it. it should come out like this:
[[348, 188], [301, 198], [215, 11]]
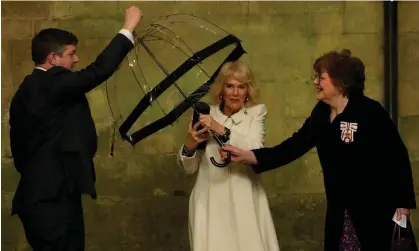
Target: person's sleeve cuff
[[128, 34]]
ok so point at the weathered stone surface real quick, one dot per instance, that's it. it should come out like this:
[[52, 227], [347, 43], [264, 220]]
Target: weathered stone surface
[[9, 176], [408, 16], [138, 184], [408, 98], [415, 171], [299, 220], [374, 89], [136, 221], [69, 10], [16, 29], [408, 128], [280, 8], [26, 9], [363, 17], [303, 176], [300, 99], [326, 23], [84, 28], [21, 62], [408, 56], [14, 236], [6, 73], [368, 47], [7, 91]]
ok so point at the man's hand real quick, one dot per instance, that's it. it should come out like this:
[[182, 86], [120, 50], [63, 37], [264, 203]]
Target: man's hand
[[400, 212], [132, 18], [238, 155]]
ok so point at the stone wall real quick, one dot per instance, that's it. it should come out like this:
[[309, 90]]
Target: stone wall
[[144, 196]]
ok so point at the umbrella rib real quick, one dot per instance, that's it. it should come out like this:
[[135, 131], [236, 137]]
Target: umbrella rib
[[181, 40], [161, 67], [141, 72], [144, 90]]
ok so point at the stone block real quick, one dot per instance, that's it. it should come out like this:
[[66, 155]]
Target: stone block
[[300, 99], [26, 10], [14, 236], [255, 25], [272, 95], [325, 23], [135, 222], [218, 8], [415, 172], [408, 56], [7, 91], [293, 53], [284, 26], [374, 88], [10, 177], [265, 66], [276, 8], [154, 10], [6, 151], [294, 124], [324, 7], [414, 218], [302, 176], [84, 28], [237, 25], [323, 44], [363, 17], [292, 8], [100, 109], [21, 63], [408, 102], [369, 48], [140, 171], [299, 219], [16, 29], [408, 17], [6, 72], [408, 128], [82, 10]]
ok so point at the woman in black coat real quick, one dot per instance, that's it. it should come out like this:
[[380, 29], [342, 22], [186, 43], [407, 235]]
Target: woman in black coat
[[367, 173]]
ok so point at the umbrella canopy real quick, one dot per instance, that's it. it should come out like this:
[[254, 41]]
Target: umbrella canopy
[[172, 66]]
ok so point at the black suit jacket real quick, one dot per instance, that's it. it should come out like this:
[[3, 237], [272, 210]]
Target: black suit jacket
[[52, 135]]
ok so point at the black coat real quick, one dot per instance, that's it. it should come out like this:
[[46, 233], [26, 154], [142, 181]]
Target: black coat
[[365, 165], [53, 136]]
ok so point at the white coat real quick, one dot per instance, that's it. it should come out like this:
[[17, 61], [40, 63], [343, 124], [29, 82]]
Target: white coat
[[228, 207]]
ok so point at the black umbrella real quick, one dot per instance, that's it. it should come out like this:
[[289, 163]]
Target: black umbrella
[[173, 64]]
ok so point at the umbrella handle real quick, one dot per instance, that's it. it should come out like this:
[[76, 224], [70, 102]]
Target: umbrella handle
[[215, 163], [228, 160]]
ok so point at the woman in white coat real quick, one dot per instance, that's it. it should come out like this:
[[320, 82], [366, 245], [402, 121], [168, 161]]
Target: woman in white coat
[[228, 207]]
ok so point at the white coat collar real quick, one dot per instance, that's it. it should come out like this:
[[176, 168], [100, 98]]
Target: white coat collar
[[237, 117]]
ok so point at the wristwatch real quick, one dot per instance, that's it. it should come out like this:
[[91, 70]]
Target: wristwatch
[[227, 133], [186, 152], [226, 136]]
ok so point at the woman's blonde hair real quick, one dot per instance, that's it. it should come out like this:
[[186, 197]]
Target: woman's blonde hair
[[241, 72]]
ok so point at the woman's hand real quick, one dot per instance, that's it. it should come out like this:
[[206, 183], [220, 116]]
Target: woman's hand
[[194, 137], [238, 155], [210, 123], [400, 212]]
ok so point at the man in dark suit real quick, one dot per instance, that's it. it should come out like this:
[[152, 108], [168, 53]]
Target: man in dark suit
[[53, 136]]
